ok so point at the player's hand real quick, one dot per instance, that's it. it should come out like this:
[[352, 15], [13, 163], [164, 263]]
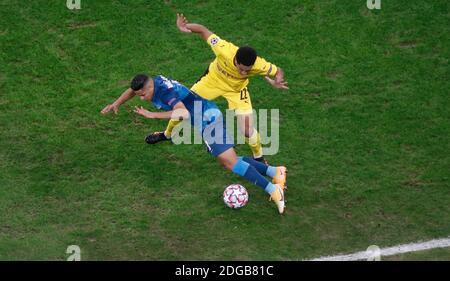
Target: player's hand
[[279, 84], [110, 107], [182, 23], [144, 112]]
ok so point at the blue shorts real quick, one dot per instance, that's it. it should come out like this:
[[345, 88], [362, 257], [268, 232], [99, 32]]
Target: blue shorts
[[207, 118]]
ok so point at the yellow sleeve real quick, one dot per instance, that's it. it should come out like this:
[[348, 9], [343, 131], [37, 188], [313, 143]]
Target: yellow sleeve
[[263, 67], [218, 45]]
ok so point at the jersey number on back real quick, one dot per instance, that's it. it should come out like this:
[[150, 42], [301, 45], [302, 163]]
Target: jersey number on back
[[169, 83]]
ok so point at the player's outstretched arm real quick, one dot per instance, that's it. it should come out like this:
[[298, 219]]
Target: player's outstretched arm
[[184, 26], [278, 82], [179, 112], [128, 94]]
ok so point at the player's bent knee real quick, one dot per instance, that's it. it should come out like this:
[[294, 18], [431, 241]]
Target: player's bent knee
[[248, 131], [226, 163], [246, 125], [228, 159]]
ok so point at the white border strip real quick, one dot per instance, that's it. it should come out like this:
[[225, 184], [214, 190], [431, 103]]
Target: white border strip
[[395, 250]]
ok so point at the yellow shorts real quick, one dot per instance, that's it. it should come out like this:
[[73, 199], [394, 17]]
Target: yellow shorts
[[240, 102]]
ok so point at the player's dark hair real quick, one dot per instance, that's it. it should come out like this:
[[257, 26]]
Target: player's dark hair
[[138, 82], [246, 56]]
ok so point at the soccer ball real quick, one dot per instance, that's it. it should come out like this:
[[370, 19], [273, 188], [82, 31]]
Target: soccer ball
[[235, 196]]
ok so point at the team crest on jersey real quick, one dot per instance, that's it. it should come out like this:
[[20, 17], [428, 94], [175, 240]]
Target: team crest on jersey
[[214, 41]]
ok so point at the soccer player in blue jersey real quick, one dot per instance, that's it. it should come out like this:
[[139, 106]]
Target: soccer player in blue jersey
[[177, 101]]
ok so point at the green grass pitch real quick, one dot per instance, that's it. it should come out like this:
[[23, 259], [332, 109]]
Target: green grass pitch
[[364, 130]]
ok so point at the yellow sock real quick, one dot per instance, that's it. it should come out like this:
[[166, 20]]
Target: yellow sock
[[170, 126], [255, 144]]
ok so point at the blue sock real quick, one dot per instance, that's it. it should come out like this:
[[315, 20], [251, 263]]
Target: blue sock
[[261, 167], [249, 172]]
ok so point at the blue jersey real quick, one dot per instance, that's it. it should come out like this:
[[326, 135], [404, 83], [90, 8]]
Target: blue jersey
[[167, 93], [204, 113]]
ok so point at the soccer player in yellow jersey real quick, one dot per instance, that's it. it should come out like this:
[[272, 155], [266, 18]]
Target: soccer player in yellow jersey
[[227, 76]]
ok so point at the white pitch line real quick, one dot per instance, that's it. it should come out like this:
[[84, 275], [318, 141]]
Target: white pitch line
[[395, 250]]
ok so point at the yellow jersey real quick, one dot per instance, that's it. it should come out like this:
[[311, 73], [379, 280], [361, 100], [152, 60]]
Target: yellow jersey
[[225, 74]]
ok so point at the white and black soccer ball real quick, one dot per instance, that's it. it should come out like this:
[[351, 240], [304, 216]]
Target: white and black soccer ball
[[235, 196]]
